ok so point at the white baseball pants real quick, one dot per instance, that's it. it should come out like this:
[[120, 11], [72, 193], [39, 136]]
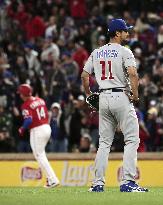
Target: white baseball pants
[[39, 137]]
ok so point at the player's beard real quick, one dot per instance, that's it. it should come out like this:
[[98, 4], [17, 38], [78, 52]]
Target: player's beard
[[124, 42]]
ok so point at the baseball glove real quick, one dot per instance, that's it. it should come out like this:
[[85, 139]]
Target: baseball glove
[[93, 101]]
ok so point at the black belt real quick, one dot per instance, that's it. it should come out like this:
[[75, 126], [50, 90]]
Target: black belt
[[112, 89]]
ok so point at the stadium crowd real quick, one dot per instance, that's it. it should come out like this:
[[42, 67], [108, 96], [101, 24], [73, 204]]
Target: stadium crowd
[[46, 42]]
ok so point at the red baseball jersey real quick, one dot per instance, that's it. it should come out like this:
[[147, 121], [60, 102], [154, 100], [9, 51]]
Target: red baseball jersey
[[35, 108]]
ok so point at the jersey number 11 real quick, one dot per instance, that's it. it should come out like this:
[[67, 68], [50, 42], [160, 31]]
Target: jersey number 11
[[104, 67]]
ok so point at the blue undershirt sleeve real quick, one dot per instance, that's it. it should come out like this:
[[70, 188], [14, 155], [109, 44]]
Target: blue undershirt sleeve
[[27, 122]]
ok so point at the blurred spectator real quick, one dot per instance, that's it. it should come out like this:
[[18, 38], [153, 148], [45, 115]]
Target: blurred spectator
[[35, 26], [3, 18], [141, 22], [138, 56], [31, 56], [51, 30], [21, 69], [69, 67], [80, 55], [49, 49], [8, 86], [160, 35], [148, 91], [143, 131], [77, 122], [57, 83], [34, 68], [84, 37], [17, 12], [95, 36], [78, 8], [152, 129], [85, 143], [101, 40], [68, 31], [7, 143], [93, 123], [3, 61], [160, 136], [59, 142], [160, 108], [23, 144]]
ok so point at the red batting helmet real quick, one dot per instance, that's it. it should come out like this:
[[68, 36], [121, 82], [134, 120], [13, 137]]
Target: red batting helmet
[[25, 90]]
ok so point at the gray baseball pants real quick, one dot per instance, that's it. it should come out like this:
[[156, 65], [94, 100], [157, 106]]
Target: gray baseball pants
[[116, 109]]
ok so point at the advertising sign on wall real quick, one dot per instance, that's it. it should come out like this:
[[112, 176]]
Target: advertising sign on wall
[[77, 173]]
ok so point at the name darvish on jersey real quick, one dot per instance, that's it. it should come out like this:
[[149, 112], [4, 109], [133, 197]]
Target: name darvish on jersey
[[110, 63], [107, 54]]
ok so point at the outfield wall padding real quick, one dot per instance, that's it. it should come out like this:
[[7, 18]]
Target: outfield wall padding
[[77, 169], [79, 156]]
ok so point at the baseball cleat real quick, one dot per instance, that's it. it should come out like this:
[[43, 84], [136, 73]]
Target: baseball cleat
[[131, 186], [97, 188], [52, 185]]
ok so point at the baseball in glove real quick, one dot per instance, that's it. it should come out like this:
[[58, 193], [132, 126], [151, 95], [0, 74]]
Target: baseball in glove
[[93, 101]]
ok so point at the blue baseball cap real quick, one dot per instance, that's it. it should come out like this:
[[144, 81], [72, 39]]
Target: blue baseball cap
[[118, 25]]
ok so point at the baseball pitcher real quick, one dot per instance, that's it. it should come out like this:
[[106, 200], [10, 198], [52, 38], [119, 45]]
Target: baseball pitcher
[[35, 116], [116, 74]]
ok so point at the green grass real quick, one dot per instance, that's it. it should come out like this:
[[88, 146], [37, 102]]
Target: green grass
[[76, 196]]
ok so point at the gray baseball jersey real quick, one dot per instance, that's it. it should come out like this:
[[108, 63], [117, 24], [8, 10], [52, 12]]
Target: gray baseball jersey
[[109, 64]]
